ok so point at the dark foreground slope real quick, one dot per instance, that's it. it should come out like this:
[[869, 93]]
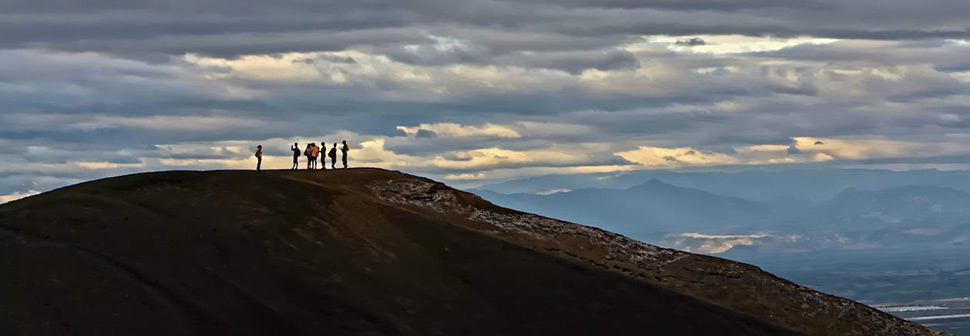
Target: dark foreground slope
[[365, 252]]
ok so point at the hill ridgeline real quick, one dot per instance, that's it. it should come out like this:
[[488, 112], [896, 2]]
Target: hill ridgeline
[[366, 252]]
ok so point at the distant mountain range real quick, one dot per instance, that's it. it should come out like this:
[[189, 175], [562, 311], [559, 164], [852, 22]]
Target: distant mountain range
[[651, 207], [655, 210], [756, 185], [903, 205]]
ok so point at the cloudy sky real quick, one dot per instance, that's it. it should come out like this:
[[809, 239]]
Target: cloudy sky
[[472, 91]]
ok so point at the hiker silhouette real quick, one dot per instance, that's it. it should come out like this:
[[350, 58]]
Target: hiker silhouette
[[296, 155], [259, 157], [344, 149], [333, 156], [323, 151], [306, 153], [314, 152]]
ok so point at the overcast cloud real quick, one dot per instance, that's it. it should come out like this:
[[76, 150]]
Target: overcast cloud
[[478, 90]]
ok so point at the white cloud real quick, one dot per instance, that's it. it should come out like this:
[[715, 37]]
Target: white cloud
[[733, 44], [552, 192], [453, 130], [662, 157], [715, 244], [16, 196]]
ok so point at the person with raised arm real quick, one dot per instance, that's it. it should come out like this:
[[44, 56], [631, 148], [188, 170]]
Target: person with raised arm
[[296, 156]]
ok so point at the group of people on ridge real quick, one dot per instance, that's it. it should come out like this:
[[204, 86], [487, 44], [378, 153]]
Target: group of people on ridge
[[311, 152]]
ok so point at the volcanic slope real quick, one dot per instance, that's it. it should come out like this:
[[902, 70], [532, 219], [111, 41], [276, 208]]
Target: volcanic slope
[[366, 252]]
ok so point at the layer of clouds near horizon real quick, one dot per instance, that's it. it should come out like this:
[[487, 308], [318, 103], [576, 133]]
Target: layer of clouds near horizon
[[478, 90]]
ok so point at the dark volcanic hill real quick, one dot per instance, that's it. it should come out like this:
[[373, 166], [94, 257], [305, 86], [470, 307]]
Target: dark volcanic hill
[[366, 252]]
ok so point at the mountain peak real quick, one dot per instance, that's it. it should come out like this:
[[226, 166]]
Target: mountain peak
[[653, 183]]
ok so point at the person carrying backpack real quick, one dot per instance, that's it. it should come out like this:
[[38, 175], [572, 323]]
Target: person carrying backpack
[[296, 155], [333, 156], [259, 157], [306, 152]]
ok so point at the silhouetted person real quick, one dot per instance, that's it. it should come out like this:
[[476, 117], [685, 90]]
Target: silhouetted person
[[296, 155], [333, 156], [306, 152], [314, 153], [343, 150], [259, 157], [323, 151]]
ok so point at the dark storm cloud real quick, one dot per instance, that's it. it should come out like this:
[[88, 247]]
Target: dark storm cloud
[[570, 61], [228, 28], [954, 67], [425, 134], [694, 41]]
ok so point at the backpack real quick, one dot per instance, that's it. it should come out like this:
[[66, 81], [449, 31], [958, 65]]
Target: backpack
[[333, 152]]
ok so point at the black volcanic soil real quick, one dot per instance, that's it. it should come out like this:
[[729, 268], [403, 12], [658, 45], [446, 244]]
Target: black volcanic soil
[[354, 252]]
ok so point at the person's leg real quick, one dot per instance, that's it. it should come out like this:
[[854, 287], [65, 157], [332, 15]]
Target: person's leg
[[345, 161], [259, 163]]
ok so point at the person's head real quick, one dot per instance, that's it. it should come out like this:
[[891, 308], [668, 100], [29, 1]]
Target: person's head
[[259, 146], [345, 142], [295, 144], [335, 144]]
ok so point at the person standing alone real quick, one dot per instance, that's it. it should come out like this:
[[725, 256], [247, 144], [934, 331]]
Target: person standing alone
[[296, 155], [259, 157], [343, 150]]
